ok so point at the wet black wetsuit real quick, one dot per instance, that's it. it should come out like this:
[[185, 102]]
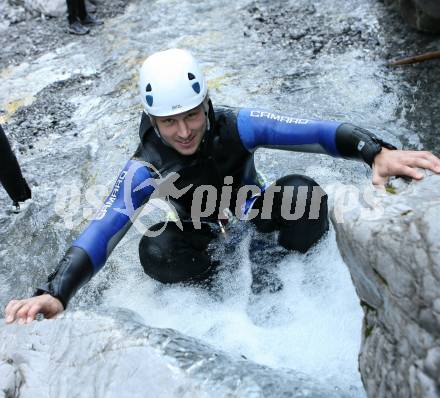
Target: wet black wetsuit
[[225, 157], [10, 173]]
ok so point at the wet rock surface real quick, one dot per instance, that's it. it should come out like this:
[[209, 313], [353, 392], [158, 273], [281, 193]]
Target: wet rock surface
[[394, 262], [308, 30], [423, 15], [50, 113], [26, 34], [129, 355]]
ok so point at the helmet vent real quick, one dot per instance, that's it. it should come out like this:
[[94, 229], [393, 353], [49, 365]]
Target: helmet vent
[[149, 99], [148, 88], [191, 76], [196, 87]]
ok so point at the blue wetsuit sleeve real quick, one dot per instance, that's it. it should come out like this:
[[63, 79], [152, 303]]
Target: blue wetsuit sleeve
[[116, 215], [90, 251], [258, 128]]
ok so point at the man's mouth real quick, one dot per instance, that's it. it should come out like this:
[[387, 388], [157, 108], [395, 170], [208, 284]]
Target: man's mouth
[[186, 142]]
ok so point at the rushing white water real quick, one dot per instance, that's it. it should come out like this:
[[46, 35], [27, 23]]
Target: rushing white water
[[312, 325]]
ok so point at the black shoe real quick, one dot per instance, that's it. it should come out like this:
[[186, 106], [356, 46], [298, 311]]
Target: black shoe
[[90, 20], [90, 7], [75, 28]]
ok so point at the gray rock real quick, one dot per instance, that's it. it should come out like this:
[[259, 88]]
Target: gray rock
[[394, 261], [11, 14], [429, 7], [116, 355], [50, 8], [423, 15], [10, 379]]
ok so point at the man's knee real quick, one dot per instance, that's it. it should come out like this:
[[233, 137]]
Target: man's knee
[[300, 197], [154, 252], [175, 255], [298, 210], [304, 218]]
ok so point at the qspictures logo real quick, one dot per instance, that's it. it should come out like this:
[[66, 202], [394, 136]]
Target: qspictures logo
[[154, 188], [137, 192]]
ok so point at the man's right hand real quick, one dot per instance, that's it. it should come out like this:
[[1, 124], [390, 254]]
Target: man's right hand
[[26, 310]]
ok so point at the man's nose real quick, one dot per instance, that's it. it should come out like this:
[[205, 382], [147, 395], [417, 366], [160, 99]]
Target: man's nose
[[183, 129]]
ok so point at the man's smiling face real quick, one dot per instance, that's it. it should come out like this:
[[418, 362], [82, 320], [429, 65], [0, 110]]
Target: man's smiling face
[[183, 131]]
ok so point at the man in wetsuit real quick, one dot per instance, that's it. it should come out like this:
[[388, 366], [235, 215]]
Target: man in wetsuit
[[10, 174], [211, 150]]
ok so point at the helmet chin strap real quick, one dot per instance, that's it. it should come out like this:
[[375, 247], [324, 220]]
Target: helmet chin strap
[[205, 105], [156, 130]]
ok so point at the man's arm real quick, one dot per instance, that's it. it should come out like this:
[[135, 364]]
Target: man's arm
[[89, 252], [272, 130], [259, 128]]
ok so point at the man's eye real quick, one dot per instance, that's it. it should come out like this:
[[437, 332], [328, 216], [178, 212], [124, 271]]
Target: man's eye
[[191, 115], [168, 122]]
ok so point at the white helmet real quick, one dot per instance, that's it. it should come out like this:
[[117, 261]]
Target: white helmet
[[171, 82]]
